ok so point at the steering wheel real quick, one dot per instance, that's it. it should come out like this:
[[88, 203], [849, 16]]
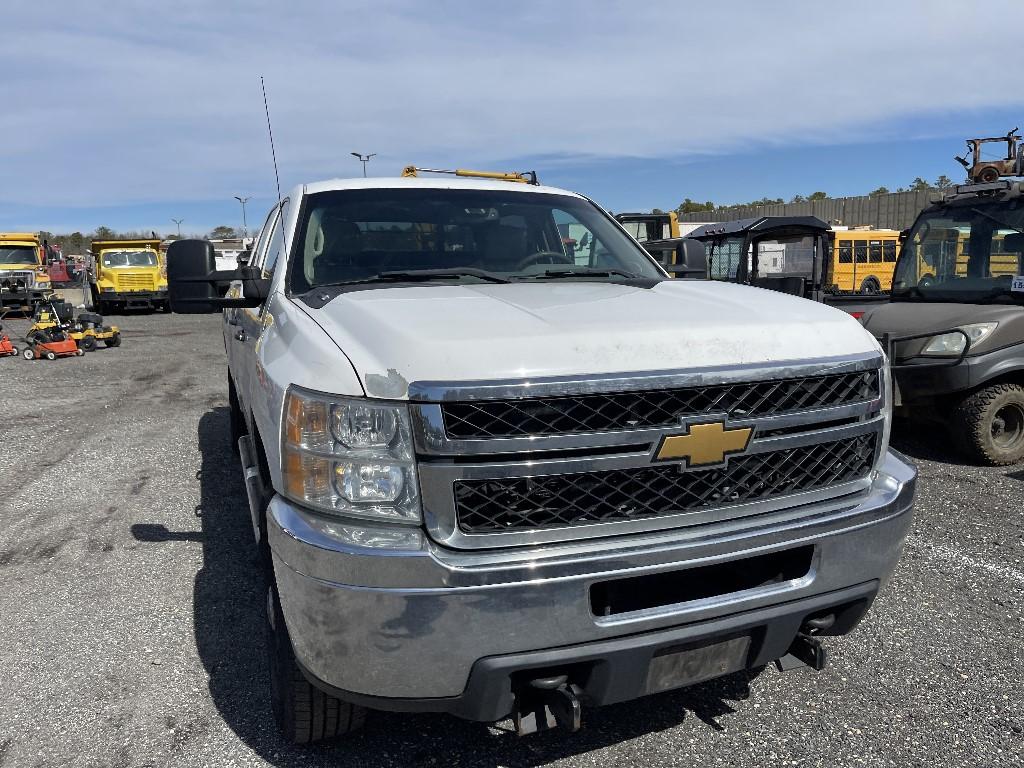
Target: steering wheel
[[544, 257]]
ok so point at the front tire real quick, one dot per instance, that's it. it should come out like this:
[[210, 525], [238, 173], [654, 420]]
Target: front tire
[[51, 355], [989, 424], [29, 354], [87, 344], [113, 341], [303, 713]]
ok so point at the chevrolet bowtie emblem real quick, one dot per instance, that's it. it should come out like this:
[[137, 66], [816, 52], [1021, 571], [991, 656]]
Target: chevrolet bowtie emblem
[[704, 444]]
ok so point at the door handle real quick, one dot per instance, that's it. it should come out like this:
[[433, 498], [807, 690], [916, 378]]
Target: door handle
[[240, 335]]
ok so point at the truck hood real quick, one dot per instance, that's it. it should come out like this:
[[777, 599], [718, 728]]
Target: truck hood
[[915, 318], [905, 318], [395, 336]]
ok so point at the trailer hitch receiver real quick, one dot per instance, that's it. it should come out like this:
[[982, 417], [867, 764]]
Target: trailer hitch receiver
[[546, 703]]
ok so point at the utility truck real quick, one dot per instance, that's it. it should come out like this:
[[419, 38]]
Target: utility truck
[[127, 274], [24, 280], [494, 474], [954, 328]]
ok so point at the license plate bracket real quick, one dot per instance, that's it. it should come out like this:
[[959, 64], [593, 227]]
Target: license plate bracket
[[677, 667]]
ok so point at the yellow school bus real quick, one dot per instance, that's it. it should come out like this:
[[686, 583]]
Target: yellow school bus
[[863, 259]]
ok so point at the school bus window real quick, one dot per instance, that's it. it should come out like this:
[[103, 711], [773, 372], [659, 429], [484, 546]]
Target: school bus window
[[845, 252], [889, 250], [860, 250], [875, 251]]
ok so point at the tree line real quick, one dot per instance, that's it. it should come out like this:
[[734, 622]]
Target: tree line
[[917, 185], [80, 242]]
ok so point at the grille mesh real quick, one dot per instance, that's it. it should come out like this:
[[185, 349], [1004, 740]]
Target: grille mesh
[[135, 282], [631, 410], [531, 503]]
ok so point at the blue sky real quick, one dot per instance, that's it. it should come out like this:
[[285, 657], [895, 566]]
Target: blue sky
[[141, 112]]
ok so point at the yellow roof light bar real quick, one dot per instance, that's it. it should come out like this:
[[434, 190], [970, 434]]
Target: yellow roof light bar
[[528, 177]]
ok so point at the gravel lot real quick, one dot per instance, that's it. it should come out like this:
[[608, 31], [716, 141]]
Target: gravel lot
[[131, 630]]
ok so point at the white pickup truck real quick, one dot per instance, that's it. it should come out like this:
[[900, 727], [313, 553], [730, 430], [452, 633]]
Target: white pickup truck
[[495, 469]]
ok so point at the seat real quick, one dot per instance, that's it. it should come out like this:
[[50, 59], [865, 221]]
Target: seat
[[502, 247], [342, 245]]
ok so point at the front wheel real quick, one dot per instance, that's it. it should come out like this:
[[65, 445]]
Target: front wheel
[[87, 343], [989, 424], [28, 354], [303, 712], [114, 341], [51, 355]]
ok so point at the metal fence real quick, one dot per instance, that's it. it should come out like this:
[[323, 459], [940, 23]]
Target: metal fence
[[896, 210]]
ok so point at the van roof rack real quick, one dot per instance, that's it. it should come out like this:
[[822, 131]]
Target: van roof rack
[[526, 177]]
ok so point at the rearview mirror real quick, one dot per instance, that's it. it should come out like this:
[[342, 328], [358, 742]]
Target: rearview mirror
[[193, 282]]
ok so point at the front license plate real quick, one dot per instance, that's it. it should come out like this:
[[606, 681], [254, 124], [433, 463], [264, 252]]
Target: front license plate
[[675, 668]]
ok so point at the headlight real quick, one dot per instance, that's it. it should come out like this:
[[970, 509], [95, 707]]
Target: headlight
[[948, 344], [349, 456]]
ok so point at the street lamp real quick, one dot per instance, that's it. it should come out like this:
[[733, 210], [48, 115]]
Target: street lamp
[[364, 159], [178, 222], [245, 227]]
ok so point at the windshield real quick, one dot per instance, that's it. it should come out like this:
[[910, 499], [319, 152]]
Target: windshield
[[20, 255], [647, 229], [129, 259], [359, 235], [964, 253]]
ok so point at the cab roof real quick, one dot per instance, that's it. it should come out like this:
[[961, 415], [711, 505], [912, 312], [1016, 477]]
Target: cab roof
[[441, 182]]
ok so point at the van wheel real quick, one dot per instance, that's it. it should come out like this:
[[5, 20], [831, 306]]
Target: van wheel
[[303, 712], [989, 424], [870, 286]]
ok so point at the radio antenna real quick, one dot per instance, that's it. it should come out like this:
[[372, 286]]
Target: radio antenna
[[273, 155], [270, 132]]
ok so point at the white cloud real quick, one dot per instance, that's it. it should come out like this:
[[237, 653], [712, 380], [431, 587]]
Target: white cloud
[[128, 102]]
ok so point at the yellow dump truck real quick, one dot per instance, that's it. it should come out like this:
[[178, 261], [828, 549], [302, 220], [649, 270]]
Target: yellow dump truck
[[23, 277], [128, 274]]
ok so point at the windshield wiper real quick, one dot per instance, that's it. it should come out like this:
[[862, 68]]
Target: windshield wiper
[[1000, 222], [422, 275], [557, 274]]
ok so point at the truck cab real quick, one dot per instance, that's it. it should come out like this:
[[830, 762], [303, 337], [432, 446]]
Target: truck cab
[[954, 327], [492, 474], [128, 274], [650, 226], [24, 280]]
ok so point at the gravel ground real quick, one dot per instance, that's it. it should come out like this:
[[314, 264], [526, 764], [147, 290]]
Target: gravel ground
[[131, 631]]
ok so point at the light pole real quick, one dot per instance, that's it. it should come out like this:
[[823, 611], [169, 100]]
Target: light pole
[[245, 227], [178, 222], [364, 159]]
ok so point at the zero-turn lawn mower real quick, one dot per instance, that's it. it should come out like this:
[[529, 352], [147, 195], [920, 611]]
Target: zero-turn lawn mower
[[47, 337], [88, 330], [6, 347]]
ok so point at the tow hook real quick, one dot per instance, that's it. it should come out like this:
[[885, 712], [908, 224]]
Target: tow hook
[[807, 649], [547, 703]]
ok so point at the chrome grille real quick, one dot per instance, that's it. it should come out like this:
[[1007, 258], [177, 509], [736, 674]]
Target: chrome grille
[[532, 503], [663, 407], [498, 470], [17, 279]]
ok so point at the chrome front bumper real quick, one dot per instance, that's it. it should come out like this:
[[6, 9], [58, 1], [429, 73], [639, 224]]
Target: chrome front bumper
[[387, 617]]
